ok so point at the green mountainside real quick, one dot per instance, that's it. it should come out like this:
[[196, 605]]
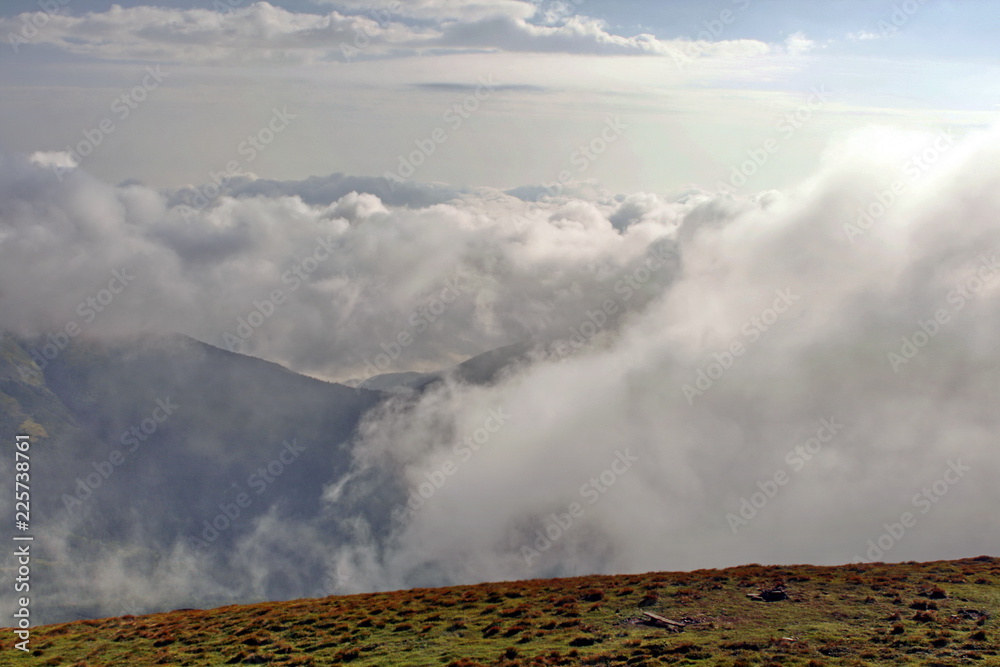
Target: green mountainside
[[940, 613]]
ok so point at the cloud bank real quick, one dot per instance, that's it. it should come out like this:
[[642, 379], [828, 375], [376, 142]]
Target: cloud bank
[[262, 33], [353, 273], [813, 384], [780, 378]]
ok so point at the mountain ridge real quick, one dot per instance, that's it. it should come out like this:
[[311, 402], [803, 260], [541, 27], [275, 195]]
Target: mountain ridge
[[940, 612]]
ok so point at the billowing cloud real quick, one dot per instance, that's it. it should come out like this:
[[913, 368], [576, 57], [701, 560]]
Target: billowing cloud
[[797, 44], [815, 375], [452, 273], [779, 378]]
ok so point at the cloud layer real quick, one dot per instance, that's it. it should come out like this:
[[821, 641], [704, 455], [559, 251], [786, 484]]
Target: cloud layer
[[353, 274], [718, 380], [815, 374], [263, 33]]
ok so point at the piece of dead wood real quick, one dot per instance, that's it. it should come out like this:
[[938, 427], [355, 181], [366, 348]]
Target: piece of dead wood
[[661, 621]]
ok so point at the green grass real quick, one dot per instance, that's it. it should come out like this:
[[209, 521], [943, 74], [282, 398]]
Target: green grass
[[879, 614]]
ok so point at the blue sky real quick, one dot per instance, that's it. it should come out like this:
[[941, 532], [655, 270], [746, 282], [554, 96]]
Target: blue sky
[[698, 84]]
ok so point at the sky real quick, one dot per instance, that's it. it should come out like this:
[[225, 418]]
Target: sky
[[697, 83], [734, 229]]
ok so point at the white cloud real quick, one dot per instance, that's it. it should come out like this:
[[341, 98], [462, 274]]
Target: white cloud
[[827, 357], [864, 35], [389, 263], [438, 10], [263, 33], [796, 44], [54, 159], [259, 32], [576, 34]]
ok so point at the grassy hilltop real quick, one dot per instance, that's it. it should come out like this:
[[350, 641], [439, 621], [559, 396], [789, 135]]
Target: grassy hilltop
[[940, 613]]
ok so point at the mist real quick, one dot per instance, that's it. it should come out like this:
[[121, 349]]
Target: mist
[[709, 379]]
